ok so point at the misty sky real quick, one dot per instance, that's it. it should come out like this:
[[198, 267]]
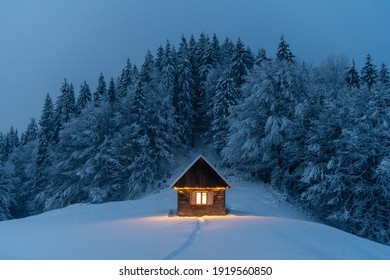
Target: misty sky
[[44, 41]]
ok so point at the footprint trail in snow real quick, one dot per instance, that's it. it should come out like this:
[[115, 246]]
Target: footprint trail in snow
[[200, 223]]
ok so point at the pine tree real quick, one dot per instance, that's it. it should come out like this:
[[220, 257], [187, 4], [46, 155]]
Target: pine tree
[[84, 97], [65, 108], [369, 72], [42, 163], [101, 91], [241, 63], [227, 50], [262, 132], [216, 48], [168, 72], [135, 146], [185, 95], [23, 169], [203, 63], [384, 76], [68, 105], [261, 57], [46, 121], [225, 96], [32, 131], [112, 96], [160, 58], [8, 183], [57, 119], [167, 94], [352, 76], [11, 141], [284, 53], [42, 158], [147, 68]]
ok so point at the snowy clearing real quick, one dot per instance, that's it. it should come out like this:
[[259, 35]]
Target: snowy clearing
[[260, 226]]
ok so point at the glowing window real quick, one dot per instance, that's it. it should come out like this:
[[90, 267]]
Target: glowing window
[[201, 198]]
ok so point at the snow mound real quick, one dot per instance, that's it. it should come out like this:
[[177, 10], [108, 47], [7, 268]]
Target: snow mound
[[260, 225]]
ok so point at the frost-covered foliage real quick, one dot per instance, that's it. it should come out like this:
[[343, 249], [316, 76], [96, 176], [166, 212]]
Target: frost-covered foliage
[[320, 134], [8, 182]]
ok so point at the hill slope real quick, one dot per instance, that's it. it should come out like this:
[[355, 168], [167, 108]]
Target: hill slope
[[260, 226]]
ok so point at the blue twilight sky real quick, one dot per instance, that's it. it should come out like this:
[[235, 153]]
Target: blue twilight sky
[[44, 41]]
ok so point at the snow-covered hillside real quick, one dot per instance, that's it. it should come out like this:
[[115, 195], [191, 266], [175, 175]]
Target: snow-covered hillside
[[260, 226]]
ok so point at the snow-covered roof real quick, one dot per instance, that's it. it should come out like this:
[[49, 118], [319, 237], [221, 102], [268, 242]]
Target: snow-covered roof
[[207, 178]]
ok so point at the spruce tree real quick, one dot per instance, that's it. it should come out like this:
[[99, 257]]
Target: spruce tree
[[10, 142], [384, 76], [225, 96], [112, 95], [160, 58], [46, 121], [68, 105], [261, 57], [101, 91], [45, 137], [216, 48], [369, 72], [84, 97], [352, 76], [241, 63], [8, 183], [227, 50], [283, 52], [32, 131], [185, 95]]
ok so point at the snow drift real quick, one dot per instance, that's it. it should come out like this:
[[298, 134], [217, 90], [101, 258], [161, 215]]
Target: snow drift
[[260, 225]]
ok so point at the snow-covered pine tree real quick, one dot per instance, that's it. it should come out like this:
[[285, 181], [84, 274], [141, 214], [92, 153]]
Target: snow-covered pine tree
[[131, 147], [111, 93], [65, 108], [370, 210], [23, 161], [83, 169], [42, 158], [246, 125], [352, 76], [226, 95], [262, 135], [160, 58], [10, 142], [227, 50], [321, 184], [8, 183], [321, 178], [164, 112], [185, 95], [284, 53], [68, 105], [46, 121], [261, 57], [369, 73], [215, 46], [384, 76], [84, 97], [2, 146], [373, 213], [101, 91], [242, 63], [31, 133]]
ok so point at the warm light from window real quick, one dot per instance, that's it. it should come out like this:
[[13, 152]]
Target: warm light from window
[[201, 198], [204, 198]]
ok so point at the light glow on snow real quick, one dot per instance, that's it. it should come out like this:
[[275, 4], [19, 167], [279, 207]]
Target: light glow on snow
[[260, 225]]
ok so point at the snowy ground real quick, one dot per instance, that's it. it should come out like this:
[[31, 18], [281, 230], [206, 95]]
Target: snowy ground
[[260, 226]]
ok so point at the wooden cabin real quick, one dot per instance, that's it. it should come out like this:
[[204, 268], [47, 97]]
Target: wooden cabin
[[200, 190]]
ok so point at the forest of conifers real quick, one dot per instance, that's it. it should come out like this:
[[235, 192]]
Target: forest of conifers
[[319, 134]]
